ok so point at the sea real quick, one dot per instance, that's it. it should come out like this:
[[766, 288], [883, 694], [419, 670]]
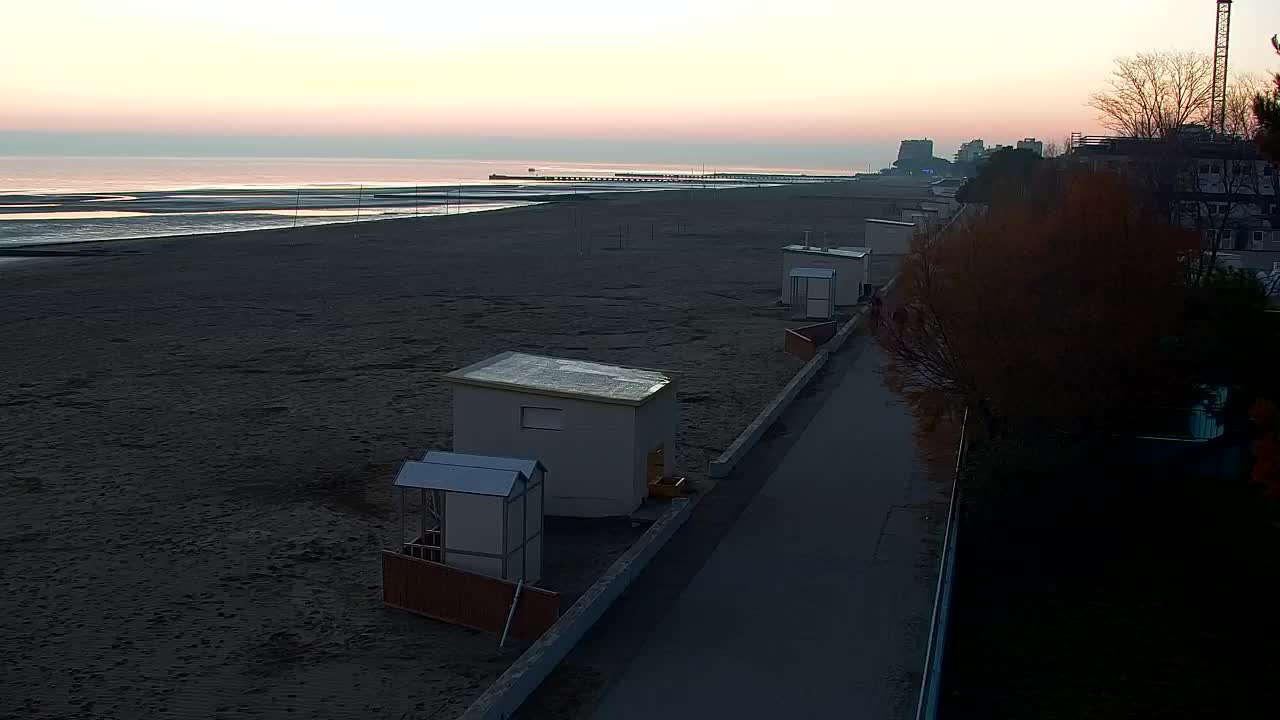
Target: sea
[[57, 199]]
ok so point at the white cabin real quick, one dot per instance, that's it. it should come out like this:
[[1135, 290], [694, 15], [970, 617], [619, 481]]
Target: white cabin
[[889, 237], [851, 266], [602, 431], [477, 513]]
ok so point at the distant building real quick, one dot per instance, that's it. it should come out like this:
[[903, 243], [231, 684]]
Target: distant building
[[971, 151], [1226, 190], [1033, 145], [915, 149]]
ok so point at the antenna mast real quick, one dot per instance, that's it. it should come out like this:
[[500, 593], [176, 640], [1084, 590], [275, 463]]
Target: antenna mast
[[1218, 100]]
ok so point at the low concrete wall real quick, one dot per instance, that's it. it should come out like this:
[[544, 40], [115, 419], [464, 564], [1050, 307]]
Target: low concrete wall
[[515, 685], [747, 439]]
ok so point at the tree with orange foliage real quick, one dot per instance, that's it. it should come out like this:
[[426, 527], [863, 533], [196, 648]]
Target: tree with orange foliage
[[1266, 449], [1054, 311]]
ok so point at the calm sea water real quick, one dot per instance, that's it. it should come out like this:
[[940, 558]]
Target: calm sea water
[[70, 199]]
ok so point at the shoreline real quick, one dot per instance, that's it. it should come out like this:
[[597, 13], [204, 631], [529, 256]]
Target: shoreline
[[17, 249], [23, 249]]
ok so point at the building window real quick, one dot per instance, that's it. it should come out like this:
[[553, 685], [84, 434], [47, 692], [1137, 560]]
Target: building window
[[540, 418], [1213, 208], [1257, 239], [1205, 168]]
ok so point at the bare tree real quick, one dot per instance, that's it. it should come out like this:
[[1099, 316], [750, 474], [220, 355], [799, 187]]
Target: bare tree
[[1154, 93], [1052, 149], [1266, 111], [1243, 89]]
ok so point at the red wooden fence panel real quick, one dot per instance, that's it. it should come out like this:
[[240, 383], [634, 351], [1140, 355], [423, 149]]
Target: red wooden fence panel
[[803, 342], [465, 598]]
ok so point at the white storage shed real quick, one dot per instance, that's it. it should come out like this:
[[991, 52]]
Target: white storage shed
[[477, 513], [919, 217], [851, 266], [602, 431], [814, 291], [943, 209], [889, 237]]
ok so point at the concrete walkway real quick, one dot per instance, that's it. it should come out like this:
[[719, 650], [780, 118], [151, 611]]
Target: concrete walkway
[[816, 603]]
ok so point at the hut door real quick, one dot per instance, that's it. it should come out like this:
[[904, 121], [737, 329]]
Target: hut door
[[655, 469], [818, 298]]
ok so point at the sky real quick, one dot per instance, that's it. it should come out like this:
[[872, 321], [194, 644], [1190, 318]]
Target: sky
[[758, 79]]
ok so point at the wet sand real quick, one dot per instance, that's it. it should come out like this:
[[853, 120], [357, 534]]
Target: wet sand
[[199, 434]]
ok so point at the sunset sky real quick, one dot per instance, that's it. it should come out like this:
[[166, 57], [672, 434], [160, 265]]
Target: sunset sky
[[818, 72]]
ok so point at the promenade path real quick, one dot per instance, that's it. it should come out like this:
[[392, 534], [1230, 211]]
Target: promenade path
[[816, 601]]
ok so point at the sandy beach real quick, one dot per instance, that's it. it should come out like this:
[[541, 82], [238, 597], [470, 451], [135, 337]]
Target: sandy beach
[[198, 434]]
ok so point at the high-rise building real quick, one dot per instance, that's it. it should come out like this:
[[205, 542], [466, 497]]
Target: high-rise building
[[915, 149], [1033, 145], [970, 152]]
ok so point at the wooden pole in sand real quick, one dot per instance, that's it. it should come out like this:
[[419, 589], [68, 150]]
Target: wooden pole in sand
[[415, 201], [359, 206], [297, 204]]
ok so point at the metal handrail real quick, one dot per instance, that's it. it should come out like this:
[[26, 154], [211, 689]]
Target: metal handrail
[[927, 705]]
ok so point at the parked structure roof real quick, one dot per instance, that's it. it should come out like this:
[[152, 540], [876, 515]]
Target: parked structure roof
[[458, 478], [562, 377], [851, 252]]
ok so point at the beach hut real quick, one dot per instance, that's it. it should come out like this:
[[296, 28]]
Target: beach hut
[[919, 217], [850, 264], [889, 237], [602, 431], [813, 290], [943, 209], [481, 514]]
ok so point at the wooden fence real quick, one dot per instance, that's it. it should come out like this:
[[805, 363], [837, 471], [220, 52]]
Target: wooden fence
[[803, 342], [465, 598]]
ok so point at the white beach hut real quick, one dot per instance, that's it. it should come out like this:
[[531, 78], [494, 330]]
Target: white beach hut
[[602, 431], [477, 513], [889, 237], [943, 209], [850, 264], [814, 291]]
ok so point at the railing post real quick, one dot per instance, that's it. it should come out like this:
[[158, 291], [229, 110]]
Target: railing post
[[927, 704]]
